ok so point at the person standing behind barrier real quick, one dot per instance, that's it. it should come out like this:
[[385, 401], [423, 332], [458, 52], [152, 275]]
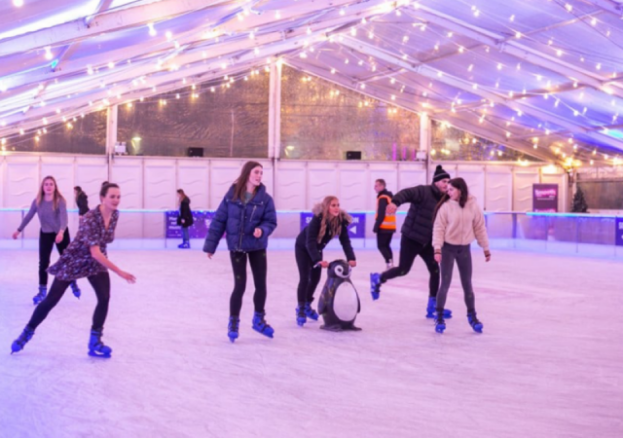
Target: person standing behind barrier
[[82, 201], [185, 218], [247, 213], [458, 221], [51, 208], [384, 224], [417, 234], [328, 221]]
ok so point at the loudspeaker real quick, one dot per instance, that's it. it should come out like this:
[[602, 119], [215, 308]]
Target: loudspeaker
[[195, 152], [353, 155]]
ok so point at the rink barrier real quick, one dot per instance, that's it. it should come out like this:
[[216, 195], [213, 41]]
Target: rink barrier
[[560, 233]]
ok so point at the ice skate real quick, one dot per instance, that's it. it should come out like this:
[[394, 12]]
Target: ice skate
[[18, 344], [260, 325], [97, 347], [375, 285]]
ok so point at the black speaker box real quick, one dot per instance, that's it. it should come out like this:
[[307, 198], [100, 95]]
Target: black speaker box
[[195, 152], [353, 155]]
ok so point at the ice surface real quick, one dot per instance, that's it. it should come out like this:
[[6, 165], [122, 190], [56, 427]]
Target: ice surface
[[549, 363]]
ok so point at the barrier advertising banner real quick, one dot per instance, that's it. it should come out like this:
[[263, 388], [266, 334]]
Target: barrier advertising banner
[[356, 230], [619, 231], [545, 198], [199, 230]]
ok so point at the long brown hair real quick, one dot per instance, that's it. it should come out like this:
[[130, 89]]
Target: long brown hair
[[240, 185], [334, 224], [461, 186], [57, 197], [182, 195]]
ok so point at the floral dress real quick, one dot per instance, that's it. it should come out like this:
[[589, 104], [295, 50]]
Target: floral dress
[[76, 261]]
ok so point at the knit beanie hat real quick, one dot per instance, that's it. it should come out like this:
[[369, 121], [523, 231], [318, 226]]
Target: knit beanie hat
[[440, 174]]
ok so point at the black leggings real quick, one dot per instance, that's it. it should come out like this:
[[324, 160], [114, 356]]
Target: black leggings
[[309, 277], [463, 256], [259, 266], [409, 250], [101, 285], [383, 243], [46, 244]]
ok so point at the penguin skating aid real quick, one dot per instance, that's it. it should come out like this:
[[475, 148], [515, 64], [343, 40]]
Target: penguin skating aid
[[339, 302]]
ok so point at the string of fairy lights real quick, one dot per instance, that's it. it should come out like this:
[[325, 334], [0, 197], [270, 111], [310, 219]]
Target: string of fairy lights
[[564, 93]]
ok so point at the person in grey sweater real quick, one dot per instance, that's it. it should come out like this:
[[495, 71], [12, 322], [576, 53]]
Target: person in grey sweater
[[51, 208]]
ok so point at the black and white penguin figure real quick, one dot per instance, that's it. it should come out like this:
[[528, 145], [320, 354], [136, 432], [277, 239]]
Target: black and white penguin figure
[[339, 303]]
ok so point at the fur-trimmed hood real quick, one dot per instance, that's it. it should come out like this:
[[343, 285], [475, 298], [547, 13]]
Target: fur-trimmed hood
[[344, 216]]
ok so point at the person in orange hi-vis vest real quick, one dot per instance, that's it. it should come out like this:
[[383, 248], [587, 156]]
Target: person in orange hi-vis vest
[[384, 224]]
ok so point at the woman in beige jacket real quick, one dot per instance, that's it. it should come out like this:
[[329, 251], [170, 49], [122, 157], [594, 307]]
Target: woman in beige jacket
[[458, 221]]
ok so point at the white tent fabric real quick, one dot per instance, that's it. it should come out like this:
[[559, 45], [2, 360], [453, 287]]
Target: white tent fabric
[[540, 76]]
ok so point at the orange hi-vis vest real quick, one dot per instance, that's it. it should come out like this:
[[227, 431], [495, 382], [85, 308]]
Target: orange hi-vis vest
[[389, 222]]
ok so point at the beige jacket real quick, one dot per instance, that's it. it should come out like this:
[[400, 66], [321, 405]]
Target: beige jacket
[[460, 226]]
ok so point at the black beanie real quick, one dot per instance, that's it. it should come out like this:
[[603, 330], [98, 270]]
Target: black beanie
[[440, 174]]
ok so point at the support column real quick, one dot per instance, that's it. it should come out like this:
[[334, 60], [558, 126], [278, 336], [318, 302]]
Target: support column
[[274, 111], [426, 139], [111, 134], [111, 129]]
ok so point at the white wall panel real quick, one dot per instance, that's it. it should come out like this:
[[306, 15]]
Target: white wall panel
[[474, 176], [193, 176], [353, 186], [411, 175], [267, 178], [160, 190], [523, 179], [22, 181], [291, 182], [159, 193], [128, 174], [222, 176], [89, 174], [499, 186], [321, 182]]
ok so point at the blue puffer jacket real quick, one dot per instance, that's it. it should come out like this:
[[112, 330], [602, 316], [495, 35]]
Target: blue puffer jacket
[[239, 222]]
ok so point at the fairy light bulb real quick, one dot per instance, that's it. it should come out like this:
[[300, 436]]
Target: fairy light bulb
[[48, 54], [18, 3], [152, 30]]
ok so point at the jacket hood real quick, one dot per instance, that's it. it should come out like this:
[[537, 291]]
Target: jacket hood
[[317, 211]]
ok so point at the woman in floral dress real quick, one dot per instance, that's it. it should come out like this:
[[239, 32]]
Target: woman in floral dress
[[85, 257]]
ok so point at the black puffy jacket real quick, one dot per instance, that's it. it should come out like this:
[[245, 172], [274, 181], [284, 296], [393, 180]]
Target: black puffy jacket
[[418, 225]]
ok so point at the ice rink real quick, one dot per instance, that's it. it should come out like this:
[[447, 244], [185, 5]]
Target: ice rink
[[549, 363]]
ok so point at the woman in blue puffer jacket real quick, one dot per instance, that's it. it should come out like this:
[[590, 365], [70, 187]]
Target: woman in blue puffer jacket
[[247, 214]]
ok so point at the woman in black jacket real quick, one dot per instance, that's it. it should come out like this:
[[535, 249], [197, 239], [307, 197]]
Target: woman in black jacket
[[328, 221], [185, 218]]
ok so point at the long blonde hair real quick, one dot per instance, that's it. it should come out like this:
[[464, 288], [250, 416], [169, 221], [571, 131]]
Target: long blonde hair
[[333, 223], [57, 197]]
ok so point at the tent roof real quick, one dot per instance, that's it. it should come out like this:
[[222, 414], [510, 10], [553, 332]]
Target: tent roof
[[543, 77]]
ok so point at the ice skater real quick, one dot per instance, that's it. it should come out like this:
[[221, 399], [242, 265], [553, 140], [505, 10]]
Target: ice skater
[[384, 224], [458, 221], [51, 208], [329, 220], [417, 235], [85, 257], [247, 214], [185, 218], [82, 201]]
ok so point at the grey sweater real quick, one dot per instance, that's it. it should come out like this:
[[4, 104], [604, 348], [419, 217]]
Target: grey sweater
[[52, 221]]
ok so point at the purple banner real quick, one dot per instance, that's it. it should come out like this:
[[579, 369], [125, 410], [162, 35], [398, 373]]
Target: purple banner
[[619, 231], [356, 230], [545, 198], [199, 230]]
